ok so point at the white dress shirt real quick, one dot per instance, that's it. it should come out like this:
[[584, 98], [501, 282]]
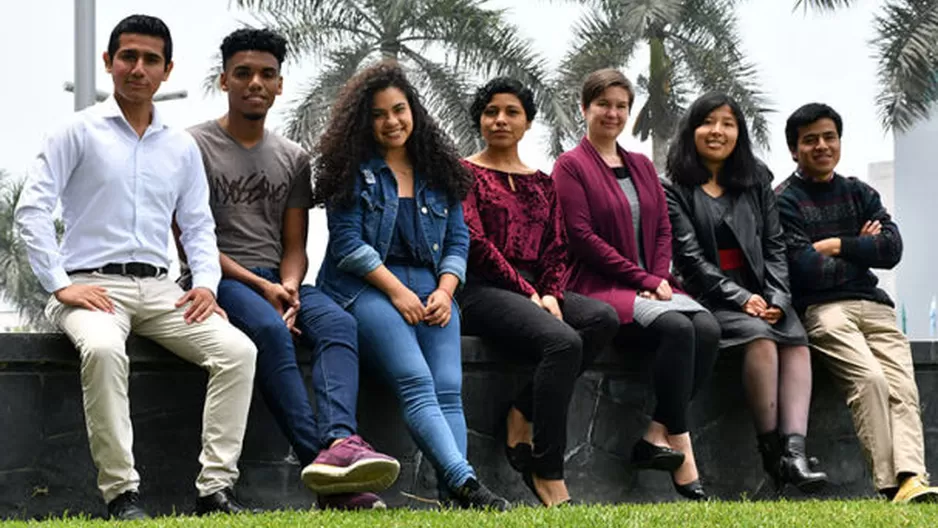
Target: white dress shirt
[[118, 192]]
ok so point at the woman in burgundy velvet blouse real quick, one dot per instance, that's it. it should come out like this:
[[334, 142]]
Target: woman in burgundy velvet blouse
[[620, 239], [515, 291]]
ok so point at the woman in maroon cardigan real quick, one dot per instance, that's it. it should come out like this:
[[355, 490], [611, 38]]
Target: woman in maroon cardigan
[[620, 237], [514, 294]]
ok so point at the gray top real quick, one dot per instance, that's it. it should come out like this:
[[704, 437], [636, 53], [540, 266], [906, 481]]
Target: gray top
[[251, 189], [646, 311], [631, 195]]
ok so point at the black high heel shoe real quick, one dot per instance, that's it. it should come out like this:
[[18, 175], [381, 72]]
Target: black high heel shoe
[[692, 490], [646, 455], [528, 478]]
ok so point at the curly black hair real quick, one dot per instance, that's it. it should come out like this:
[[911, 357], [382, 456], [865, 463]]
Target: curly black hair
[[740, 170], [497, 86], [349, 141], [250, 39]]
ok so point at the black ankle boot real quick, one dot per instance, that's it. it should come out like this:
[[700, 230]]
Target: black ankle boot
[[794, 467], [770, 448]]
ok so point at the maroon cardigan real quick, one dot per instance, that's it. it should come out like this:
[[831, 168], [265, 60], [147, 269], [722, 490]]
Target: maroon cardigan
[[599, 227]]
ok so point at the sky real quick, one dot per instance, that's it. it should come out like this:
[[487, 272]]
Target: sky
[[802, 57]]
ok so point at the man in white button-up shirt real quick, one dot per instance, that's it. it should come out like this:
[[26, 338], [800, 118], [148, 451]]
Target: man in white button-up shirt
[[120, 173]]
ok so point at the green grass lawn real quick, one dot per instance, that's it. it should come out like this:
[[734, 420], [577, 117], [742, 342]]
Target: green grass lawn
[[767, 514]]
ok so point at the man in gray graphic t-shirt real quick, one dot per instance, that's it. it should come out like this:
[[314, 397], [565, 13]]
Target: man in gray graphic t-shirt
[[250, 190], [260, 196]]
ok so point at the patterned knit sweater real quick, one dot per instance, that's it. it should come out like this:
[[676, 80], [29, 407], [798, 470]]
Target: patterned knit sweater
[[812, 211]]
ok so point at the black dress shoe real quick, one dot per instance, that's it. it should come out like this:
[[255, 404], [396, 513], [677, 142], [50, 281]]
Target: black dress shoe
[[126, 507], [222, 501], [528, 478], [692, 490], [795, 468], [519, 457], [646, 455]]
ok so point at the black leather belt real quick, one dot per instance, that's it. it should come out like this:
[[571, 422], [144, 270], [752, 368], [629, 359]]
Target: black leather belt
[[132, 269]]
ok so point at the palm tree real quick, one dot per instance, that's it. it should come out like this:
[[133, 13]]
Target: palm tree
[[906, 49], [446, 45], [18, 285], [693, 45]]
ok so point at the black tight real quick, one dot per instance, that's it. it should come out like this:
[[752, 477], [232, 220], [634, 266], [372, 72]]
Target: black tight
[[687, 349]]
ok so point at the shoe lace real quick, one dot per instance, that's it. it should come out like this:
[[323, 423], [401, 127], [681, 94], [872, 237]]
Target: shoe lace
[[359, 441]]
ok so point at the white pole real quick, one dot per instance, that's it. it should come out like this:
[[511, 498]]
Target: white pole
[[84, 54]]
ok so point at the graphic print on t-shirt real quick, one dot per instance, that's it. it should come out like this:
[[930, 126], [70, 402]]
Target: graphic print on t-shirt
[[250, 189]]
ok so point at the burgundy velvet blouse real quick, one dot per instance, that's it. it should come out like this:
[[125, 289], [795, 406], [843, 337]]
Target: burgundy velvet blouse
[[516, 229]]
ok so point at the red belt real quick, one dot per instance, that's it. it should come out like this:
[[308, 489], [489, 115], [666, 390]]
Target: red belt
[[731, 259]]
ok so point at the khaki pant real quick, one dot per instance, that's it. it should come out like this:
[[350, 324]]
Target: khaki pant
[[147, 307], [872, 360]]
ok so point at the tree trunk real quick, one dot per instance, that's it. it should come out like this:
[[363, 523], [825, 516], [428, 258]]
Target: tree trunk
[[659, 153], [659, 85]]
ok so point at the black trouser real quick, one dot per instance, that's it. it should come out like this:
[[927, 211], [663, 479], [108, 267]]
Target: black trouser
[[562, 349], [687, 346]]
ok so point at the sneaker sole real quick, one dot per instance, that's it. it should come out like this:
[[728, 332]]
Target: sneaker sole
[[363, 476], [925, 497], [380, 505]]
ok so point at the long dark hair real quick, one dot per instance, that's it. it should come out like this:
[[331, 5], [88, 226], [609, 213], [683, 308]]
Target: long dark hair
[[740, 170], [349, 141]]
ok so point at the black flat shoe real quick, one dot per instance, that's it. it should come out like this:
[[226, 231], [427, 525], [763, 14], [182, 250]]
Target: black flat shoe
[[126, 507], [528, 478], [519, 457], [692, 490], [646, 455], [222, 501]]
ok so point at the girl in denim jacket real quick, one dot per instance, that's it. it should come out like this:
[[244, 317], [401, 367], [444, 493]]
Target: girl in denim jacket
[[392, 185]]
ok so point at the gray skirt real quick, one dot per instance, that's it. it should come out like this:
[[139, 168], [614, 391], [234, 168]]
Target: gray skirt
[[647, 310]]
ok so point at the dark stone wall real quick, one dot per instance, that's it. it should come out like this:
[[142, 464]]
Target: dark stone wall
[[46, 468]]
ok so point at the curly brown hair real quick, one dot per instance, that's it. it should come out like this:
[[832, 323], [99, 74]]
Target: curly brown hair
[[349, 141]]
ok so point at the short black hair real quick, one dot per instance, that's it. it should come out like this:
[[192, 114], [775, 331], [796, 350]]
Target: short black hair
[[499, 85], [142, 25], [739, 171], [252, 39], [806, 115]]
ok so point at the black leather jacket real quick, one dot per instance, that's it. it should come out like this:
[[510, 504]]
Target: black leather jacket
[[754, 221]]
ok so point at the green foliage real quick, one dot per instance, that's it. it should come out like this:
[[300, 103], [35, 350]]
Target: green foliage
[[905, 44], [18, 284], [447, 46], [694, 46], [854, 514]]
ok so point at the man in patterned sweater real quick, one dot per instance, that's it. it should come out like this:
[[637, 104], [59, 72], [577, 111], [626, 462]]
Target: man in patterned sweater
[[836, 229]]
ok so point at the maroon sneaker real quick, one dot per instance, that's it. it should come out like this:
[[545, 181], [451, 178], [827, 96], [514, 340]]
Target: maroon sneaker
[[351, 501], [351, 466]]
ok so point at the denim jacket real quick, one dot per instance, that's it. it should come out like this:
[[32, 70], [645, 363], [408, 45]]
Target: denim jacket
[[360, 235]]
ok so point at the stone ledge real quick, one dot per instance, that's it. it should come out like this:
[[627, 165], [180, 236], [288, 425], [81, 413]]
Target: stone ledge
[[55, 349], [46, 469]]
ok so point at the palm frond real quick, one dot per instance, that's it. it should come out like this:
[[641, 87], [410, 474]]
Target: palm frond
[[315, 32], [596, 44], [445, 93], [644, 17], [907, 54], [823, 5], [18, 285], [707, 46], [210, 83], [482, 44], [311, 111]]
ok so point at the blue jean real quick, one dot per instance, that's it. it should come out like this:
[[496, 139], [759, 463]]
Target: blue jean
[[327, 330], [423, 365]]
